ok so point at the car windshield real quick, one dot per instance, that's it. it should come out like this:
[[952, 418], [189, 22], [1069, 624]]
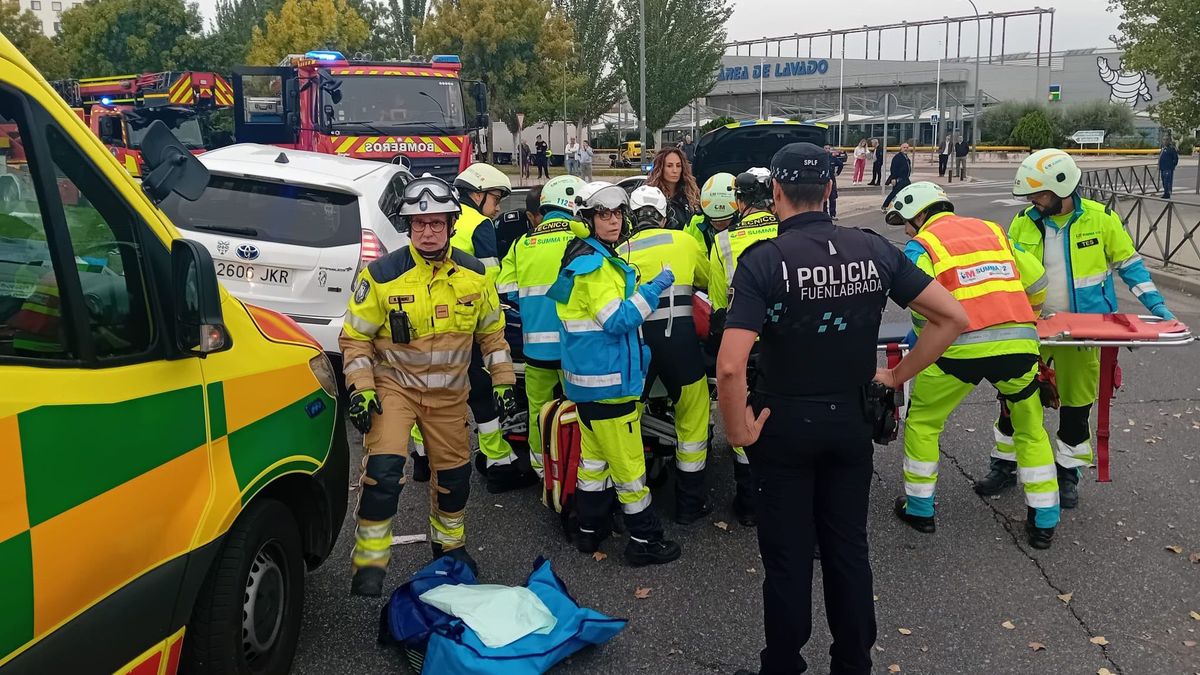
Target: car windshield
[[184, 124], [400, 101], [269, 211]]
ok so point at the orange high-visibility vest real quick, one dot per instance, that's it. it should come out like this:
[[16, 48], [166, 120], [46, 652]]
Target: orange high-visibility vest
[[973, 260]]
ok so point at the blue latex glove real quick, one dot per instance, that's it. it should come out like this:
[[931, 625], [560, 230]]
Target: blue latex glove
[[663, 281], [1160, 310]]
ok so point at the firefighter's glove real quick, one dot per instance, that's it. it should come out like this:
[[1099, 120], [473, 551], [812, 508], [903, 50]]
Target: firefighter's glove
[[506, 401], [362, 404]]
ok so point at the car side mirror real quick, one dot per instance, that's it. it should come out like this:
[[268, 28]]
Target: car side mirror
[[199, 327], [170, 167], [482, 121]]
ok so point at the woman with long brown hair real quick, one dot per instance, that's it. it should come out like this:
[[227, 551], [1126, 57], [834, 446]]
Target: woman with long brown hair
[[672, 174]]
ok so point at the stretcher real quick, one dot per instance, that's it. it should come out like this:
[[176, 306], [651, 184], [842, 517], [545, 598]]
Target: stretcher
[[1108, 332]]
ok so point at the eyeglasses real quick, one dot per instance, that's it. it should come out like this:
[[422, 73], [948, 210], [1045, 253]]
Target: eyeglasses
[[601, 212], [434, 226]]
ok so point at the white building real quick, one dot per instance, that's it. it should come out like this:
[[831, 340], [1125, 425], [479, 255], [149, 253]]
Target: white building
[[49, 12]]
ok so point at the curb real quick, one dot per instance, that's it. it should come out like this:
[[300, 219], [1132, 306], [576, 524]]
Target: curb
[[1163, 278]]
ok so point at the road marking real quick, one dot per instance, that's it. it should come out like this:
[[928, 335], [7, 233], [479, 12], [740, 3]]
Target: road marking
[[1011, 202]]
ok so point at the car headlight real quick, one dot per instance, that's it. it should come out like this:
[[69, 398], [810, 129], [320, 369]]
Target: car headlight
[[323, 370]]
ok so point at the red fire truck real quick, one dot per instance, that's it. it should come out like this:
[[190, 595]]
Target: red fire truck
[[120, 109], [411, 113]]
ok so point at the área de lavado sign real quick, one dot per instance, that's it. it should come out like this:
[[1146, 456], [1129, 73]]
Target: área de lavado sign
[[776, 69]]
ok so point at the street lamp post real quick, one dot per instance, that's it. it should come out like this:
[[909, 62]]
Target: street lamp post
[[886, 113], [975, 117], [642, 74]]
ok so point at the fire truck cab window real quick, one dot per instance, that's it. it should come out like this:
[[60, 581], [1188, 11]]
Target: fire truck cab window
[[390, 101]]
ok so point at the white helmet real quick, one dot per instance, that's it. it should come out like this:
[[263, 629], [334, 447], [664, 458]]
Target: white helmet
[[717, 196], [648, 197], [482, 177], [1050, 169], [601, 195], [914, 199], [428, 194]]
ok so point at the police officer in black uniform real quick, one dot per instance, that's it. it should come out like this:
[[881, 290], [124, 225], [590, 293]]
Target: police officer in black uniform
[[816, 295]]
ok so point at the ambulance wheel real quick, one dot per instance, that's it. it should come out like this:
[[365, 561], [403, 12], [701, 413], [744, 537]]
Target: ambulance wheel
[[247, 617]]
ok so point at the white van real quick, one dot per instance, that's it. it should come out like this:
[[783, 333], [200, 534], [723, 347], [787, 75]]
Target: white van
[[289, 230]]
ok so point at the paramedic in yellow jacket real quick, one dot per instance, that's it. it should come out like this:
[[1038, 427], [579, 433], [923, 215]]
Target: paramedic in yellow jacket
[[480, 189], [755, 222], [676, 357], [407, 340]]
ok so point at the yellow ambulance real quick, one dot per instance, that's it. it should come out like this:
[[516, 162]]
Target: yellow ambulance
[[172, 461]]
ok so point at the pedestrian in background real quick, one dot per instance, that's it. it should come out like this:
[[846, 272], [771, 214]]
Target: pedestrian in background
[[837, 162], [524, 159], [944, 154], [585, 161], [899, 174], [571, 159], [540, 156], [688, 148], [961, 150], [877, 165], [672, 173], [1168, 159], [860, 161]]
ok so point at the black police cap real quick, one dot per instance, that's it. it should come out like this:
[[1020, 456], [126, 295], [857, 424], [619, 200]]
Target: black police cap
[[801, 163]]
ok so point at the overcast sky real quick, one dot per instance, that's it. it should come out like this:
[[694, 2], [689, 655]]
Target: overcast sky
[[1078, 23]]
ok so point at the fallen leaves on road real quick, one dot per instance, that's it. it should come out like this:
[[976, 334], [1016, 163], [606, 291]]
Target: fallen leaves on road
[[924, 649], [1008, 624], [904, 631], [1037, 646], [970, 430], [1174, 549], [673, 652], [894, 668], [1104, 671], [1066, 597], [722, 525], [1099, 640], [641, 593], [599, 555], [1128, 538], [1194, 614], [1189, 643], [1195, 557], [875, 598]]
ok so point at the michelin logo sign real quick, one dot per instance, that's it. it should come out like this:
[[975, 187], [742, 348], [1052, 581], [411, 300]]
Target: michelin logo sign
[[777, 69]]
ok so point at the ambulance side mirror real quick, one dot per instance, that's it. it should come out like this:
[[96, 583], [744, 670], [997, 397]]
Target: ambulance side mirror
[[199, 327], [170, 167]]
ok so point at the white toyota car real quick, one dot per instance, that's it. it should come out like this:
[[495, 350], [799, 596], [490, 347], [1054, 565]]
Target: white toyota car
[[289, 230]]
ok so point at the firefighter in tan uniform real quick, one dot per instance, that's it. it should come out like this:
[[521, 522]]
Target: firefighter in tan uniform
[[407, 344]]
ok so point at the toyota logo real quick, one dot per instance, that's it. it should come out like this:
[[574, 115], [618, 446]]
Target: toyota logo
[[402, 161], [247, 252]]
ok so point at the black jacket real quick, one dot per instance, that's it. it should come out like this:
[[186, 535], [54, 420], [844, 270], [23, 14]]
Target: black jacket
[[879, 154], [963, 148], [1168, 159], [901, 167]]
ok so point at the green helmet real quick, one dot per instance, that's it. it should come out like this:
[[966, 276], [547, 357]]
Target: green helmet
[[560, 193], [914, 199], [717, 199]]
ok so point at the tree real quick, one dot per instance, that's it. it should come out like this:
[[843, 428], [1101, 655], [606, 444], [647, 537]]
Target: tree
[[517, 47], [597, 84], [1034, 131], [234, 21], [394, 24], [109, 37], [304, 25], [24, 30], [716, 123], [1159, 36], [1115, 119], [684, 43], [996, 123]]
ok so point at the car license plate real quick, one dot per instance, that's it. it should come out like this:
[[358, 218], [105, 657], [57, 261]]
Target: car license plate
[[271, 276]]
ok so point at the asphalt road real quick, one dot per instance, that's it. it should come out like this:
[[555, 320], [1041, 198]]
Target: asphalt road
[[954, 590]]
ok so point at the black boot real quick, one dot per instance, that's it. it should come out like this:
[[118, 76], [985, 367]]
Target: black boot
[[420, 468], [368, 582], [925, 524], [1038, 537], [459, 553], [481, 463], [1003, 475], [743, 495], [1068, 487], [658, 552], [508, 477], [589, 542], [690, 503]]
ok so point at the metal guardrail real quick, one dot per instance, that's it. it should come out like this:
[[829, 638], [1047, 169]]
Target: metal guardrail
[[1162, 229], [1140, 179]]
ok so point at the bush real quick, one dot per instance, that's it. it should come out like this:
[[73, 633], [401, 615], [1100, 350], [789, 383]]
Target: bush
[[998, 122], [1115, 119], [1186, 144], [1034, 131]]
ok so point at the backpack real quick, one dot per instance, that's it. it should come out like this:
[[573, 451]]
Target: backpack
[[405, 622], [559, 424]]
